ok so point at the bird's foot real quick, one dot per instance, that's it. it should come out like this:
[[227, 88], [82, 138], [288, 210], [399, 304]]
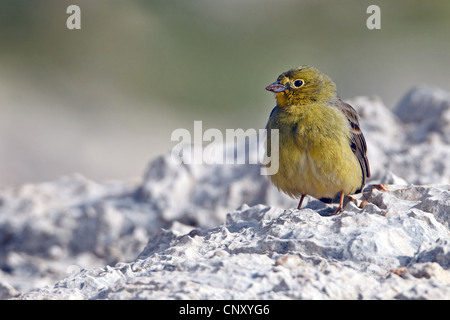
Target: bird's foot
[[339, 210]]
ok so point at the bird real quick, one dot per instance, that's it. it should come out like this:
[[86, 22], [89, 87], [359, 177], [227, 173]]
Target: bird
[[321, 149]]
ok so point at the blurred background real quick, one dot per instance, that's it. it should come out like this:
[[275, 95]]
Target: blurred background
[[103, 101]]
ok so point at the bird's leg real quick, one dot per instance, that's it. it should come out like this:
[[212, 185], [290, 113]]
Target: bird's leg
[[341, 202], [300, 203]]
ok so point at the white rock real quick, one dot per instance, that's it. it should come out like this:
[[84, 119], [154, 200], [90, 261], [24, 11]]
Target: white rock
[[178, 234], [271, 253]]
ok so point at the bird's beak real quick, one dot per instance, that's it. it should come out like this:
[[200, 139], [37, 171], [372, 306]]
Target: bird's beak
[[276, 87]]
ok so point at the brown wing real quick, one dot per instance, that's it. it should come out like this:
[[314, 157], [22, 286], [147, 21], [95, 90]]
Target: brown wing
[[357, 142]]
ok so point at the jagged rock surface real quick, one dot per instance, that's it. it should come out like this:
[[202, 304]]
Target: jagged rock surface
[[190, 241]]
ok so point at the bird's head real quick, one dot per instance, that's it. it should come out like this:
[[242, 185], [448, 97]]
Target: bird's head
[[302, 85]]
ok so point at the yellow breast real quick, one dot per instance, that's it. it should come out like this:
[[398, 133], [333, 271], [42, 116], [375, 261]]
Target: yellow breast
[[314, 153]]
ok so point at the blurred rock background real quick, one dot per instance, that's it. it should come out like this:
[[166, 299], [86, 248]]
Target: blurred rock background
[[103, 100]]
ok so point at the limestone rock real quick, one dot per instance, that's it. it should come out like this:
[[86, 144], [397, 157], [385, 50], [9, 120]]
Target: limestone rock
[[224, 232], [264, 252]]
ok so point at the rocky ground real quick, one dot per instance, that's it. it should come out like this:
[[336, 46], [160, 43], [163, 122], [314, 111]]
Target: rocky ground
[[224, 232]]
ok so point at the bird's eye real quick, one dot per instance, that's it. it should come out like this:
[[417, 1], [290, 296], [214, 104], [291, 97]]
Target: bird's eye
[[298, 83]]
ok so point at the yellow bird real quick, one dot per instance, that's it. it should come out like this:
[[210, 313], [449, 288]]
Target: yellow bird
[[322, 151]]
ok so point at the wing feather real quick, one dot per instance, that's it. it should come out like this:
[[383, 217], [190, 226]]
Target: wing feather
[[357, 141]]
